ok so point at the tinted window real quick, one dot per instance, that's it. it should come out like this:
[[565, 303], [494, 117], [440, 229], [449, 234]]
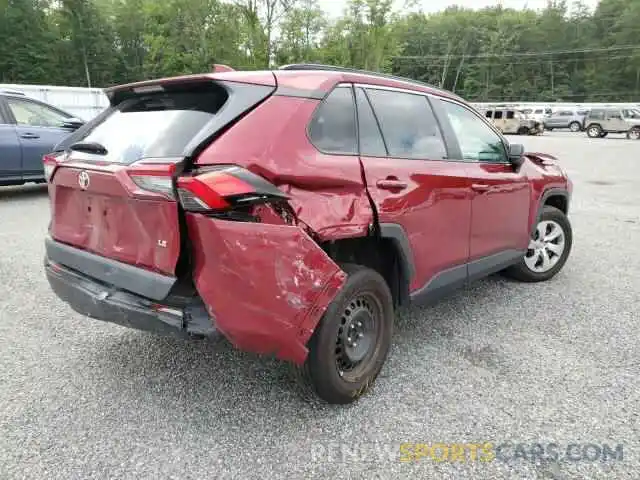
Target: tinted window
[[615, 114], [498, 115], [538, 111], [564, 114], [477, 141], [371, 142], [35, 114], [488, 114], [408, 125], [333, 128], [597, 114], [155, 125], [510, 115]]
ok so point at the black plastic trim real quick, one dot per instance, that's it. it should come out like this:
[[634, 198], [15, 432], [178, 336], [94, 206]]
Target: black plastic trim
[[101, 302], [551, 192], [111, 272], [299, 93], [397, 234], [456, 277], [485, 266]]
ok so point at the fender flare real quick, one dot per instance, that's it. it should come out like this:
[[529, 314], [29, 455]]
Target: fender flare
[[398, 236], [551, 192]]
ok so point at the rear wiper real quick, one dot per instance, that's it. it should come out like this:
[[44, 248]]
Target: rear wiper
[[91, 147]]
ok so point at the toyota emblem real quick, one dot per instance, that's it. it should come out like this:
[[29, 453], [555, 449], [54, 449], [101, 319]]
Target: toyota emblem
[[83, 180]]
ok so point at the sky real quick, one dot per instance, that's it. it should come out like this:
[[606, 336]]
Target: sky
[[334, 7]]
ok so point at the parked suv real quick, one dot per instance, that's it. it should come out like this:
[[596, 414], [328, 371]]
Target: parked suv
[[292, 211], [511, 121], [573, 119], [602, 121], [28, 130]]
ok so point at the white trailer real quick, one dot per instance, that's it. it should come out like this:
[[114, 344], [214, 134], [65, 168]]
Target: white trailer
[[81, 102]]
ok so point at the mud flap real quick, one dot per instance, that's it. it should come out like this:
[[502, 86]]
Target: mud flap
[[265, 285]]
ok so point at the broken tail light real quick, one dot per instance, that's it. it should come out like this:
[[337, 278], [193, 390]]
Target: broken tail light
[[225, 188], [50, 162]]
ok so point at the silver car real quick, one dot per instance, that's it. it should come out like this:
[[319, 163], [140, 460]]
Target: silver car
[[602, 121], [573, 119]]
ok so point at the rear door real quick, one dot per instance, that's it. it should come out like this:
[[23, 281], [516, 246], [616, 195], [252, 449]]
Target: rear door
[[113, 194], [39, 129], [500, 206], [415, 185], [10, 151]]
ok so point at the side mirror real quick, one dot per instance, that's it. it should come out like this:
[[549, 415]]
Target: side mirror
[[72, 123], [516, 154]]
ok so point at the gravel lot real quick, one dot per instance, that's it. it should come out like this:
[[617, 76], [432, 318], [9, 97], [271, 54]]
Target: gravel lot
[[501, 361]]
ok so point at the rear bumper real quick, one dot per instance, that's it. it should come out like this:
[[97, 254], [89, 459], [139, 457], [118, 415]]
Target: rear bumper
[[102, 302]]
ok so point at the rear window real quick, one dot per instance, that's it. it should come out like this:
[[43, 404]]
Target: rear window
[[157, 125]]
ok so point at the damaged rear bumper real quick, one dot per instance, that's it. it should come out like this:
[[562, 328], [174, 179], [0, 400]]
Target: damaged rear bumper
[[263, 286], [99, 301]]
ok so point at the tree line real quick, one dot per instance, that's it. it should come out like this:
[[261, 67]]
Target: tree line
[[565, 52]]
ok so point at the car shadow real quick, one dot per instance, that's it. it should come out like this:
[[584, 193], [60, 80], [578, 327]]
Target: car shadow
[[23, 191], [218, 377]]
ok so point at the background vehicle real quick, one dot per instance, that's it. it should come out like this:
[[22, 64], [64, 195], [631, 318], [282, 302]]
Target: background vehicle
[[511, 121], [169, 213], [602, 121], [539, 113], [28, 130], [573, 119]]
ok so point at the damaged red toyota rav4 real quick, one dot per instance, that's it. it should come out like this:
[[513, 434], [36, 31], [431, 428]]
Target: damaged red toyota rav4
[[293, 211]]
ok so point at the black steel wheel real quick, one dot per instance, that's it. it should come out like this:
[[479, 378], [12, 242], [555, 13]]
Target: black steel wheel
[[351, 342]]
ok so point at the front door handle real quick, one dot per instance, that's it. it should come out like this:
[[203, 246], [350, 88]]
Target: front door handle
[[29, 135], [391, 184], [480, 187]]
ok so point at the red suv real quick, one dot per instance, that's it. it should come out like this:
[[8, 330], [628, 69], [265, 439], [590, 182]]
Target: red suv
[[292, 211]]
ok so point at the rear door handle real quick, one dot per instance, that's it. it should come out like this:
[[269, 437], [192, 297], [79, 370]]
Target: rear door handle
[[29, 135], [480, 187], [391, 184]]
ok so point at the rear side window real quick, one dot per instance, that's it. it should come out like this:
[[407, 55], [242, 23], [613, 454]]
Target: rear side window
[[409, 127], [158, 125], [510, 115], [333, 127], [489, 114], [371, 143], [596, 114], [497, 115]]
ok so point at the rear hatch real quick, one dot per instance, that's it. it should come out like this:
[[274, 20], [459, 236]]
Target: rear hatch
[[112, 182]]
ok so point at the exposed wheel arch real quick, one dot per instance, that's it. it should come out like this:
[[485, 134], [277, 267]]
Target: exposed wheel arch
[[388, 252]]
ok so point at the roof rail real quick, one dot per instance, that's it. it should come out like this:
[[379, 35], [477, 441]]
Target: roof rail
[[9, 91], [332, 68]]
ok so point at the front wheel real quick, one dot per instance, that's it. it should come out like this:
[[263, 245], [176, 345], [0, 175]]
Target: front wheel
[[351, 342], [634, 133], [574, 126], [548, 249]]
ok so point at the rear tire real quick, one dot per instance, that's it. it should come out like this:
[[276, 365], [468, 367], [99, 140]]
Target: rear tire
[[351, 342], [574, 126], [634, 133], [523, 131], [548, 250], [594, 131]]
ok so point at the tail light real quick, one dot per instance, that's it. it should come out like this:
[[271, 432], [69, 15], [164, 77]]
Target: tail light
[[224, 188], [50, 162], [162, 184]]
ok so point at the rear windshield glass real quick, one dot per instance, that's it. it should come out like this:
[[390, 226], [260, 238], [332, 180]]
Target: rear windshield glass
[[157, 125]]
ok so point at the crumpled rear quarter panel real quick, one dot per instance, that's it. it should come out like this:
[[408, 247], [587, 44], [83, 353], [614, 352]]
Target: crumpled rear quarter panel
[[266, 285]]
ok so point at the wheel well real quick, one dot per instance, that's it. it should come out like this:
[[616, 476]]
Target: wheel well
[[557, 201], [378, 253]]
